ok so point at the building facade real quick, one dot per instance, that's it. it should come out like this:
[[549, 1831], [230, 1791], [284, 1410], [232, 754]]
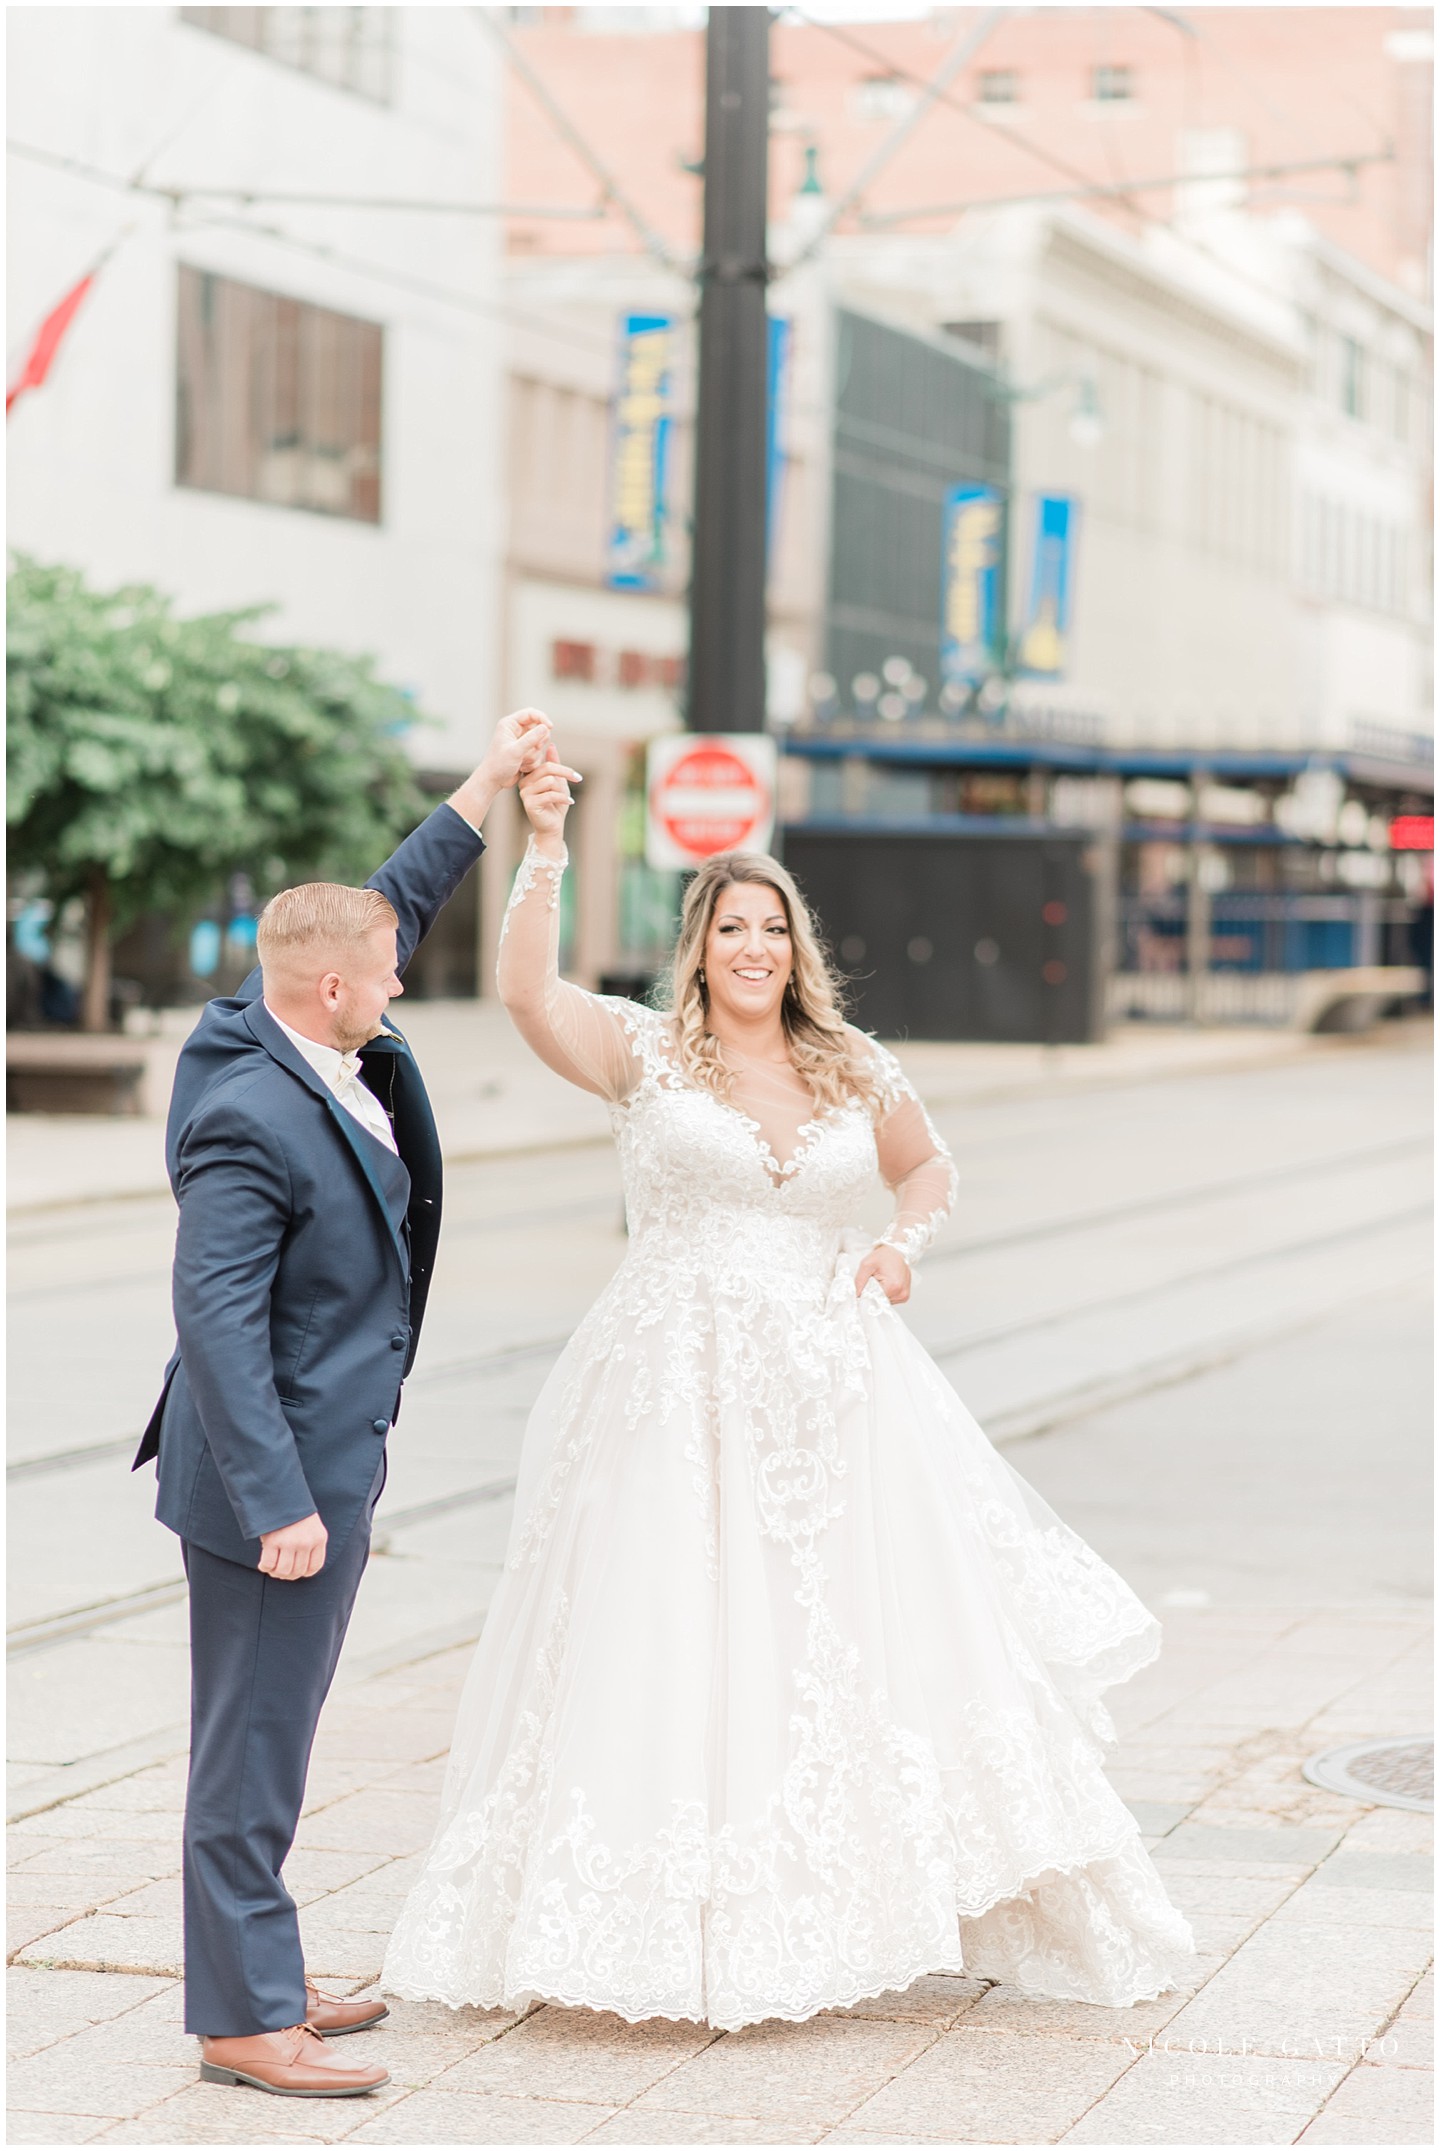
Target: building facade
[[1225, 391], [284, 388]]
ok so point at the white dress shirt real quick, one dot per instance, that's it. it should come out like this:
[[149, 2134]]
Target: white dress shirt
[[340, 1073]]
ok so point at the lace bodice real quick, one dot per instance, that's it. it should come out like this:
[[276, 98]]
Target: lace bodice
[[764, 1160], [789, 1690]]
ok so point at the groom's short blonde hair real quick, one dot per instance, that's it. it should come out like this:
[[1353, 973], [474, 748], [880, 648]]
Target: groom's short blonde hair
[[316, 920]]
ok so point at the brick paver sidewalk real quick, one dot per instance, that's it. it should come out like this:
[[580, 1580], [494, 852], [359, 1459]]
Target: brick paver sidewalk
[[1307, 2017]]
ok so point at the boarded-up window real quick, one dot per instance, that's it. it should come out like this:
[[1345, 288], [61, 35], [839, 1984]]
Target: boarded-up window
[[349, 47], [277, 400]]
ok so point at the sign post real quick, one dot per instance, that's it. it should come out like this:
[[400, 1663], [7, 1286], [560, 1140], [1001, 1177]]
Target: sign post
[[727, 577], [708, 793]]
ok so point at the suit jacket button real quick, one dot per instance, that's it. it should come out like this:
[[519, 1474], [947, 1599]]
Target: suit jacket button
[[381, 1426], [399, 1341]]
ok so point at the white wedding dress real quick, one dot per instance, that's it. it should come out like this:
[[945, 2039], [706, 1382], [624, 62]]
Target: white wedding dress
[[790, 1690]]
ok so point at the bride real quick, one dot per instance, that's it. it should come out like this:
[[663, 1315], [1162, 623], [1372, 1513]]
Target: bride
[[790, 1689]]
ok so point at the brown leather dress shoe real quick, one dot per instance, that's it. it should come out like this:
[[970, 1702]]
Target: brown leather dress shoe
[[332, 2018], [295, 2064]]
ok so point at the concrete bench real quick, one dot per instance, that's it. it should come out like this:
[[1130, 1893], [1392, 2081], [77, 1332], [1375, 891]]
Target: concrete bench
[[73, 1072], [1352, 1000], [1349, 1000]]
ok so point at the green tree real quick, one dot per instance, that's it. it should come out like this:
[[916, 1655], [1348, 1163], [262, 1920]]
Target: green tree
[[149, 758]]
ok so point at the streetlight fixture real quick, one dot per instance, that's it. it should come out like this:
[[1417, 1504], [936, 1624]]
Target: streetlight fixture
[[1087, 417], [1087, 420]]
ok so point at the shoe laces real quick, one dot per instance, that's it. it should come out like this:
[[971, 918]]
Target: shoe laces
[[302, 2032]]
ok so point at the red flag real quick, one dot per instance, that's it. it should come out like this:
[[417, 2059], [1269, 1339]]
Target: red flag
[[41, 356]]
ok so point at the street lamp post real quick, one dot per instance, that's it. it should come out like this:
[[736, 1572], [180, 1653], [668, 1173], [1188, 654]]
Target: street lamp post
[[727, 580]]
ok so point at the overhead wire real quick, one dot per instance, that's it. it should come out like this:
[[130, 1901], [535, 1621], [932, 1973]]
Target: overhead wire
[[1186, 241], [1204, 38], [180, 191], [469, 302], [945, 97], [611, 190], [1344, 161], [1206, 41], [246, 196], [960, 54], [1109, 146], [615, 199]]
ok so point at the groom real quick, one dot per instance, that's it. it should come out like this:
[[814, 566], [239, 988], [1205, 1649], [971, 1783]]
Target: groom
[[304, 1157]]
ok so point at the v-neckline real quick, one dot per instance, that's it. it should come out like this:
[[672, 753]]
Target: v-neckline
[[778, 1171]]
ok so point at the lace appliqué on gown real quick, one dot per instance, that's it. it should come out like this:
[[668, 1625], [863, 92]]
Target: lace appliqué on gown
[[790, 1689]]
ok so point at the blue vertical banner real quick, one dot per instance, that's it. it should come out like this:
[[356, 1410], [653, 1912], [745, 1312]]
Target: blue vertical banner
[[970, 598], [640, 438], [1045, 630], [777, 374]]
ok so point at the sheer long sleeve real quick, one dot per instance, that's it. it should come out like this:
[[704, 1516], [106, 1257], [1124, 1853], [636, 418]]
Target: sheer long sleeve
[[914, 1163], [582, 1036]]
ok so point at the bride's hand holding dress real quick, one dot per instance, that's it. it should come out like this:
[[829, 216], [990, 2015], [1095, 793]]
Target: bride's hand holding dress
[[790, 1690]]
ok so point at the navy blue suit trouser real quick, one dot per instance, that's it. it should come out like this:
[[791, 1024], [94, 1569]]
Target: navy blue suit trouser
[[262, 1657]]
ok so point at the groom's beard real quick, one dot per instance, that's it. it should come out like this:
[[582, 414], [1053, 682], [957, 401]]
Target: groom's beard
[[350, 1037]]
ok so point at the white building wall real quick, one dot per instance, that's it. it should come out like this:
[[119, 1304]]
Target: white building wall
[[1362, 507], [92, 453], [1183, 627], [1196, 619]]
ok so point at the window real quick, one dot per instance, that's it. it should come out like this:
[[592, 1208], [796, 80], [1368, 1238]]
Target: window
[[1309, 542], [1112, 85], [981, 337], [1352, 377], [1331, 547], [1352, 559], [883, 97], [998, 86], [276, 400], [572, 660], [348, 47], [1400, 405]]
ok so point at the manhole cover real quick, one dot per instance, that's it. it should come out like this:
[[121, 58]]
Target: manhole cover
[[1386, 1773]]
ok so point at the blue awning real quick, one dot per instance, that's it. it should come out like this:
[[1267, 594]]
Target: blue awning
[[1077, 759]]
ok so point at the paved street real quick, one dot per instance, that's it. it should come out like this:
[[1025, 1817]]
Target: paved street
[[1186, 1286]]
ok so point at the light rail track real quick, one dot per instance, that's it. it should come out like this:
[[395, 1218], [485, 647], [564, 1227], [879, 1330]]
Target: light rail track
[[607, 1205], [24, 1233], [1203, 1273], [949, 1250], [1183, 1198], [105, 1613]]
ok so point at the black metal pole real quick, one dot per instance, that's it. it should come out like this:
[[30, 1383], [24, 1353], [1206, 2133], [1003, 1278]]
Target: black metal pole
[[727, 579]]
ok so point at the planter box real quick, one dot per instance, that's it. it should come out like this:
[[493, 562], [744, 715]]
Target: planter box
[[73, 1072]]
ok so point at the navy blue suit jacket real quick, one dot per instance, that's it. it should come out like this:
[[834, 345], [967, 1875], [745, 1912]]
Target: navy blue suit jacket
[[302, 1258]]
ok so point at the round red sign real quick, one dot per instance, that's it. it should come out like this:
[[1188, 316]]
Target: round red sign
[[710, 800]]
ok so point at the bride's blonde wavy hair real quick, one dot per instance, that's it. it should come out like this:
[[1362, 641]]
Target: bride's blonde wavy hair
[[825, 1054]]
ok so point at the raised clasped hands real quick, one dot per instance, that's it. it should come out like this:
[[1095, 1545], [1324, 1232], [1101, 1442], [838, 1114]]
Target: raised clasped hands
[[547, 798], [517, 746]]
